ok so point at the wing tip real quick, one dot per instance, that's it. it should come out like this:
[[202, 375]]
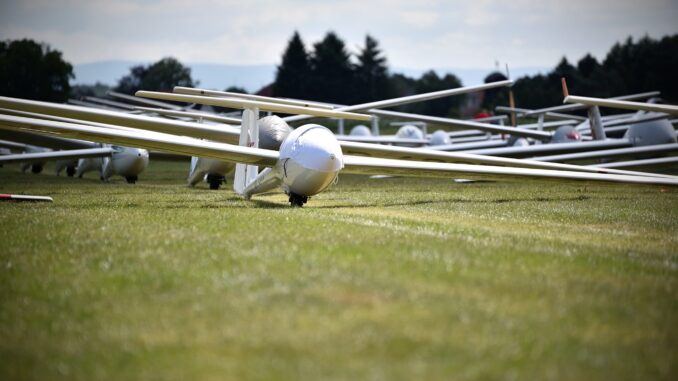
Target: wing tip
[[563, 83]]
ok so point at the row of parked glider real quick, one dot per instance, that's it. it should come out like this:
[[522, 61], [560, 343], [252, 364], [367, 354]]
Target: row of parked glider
[[114, 137]]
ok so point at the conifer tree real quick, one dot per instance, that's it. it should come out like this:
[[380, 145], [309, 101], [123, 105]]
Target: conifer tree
[[293, 75], [429, 82], [332, 79], [372, 82]]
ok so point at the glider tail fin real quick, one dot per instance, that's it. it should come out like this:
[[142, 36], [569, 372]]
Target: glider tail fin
[[249, 137]]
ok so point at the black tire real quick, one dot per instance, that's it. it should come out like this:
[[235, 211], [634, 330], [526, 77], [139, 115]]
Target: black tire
[[215, 181], [297, 200]]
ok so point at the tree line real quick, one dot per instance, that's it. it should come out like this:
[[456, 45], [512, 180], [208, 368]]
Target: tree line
[[329, 72], [629, 67]]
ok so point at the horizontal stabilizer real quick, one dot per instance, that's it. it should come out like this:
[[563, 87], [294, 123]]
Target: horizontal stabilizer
[[224, 134], [56, 155], [428, 155], [467, 124], [376, 166], [23, 197], [628, 105], [553, 148], [190, 114], [246, 103], [661, 161], [227, 94], [145, 139], [620, 152]]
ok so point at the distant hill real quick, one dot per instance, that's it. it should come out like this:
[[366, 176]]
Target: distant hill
[[254, 77]]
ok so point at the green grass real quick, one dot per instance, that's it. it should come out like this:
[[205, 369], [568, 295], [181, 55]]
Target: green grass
[[393, 279]]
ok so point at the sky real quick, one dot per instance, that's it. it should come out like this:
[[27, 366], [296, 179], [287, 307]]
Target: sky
[[415, 34]]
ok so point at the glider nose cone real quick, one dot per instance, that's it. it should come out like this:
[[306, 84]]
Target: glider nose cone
[[566, 134], [439, 138], [361, 130], [131, 161], [311, 158], [409, 131], [651, 133], [141, 159]]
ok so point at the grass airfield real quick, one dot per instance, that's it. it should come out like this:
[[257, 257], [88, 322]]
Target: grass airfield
[[393, 279]]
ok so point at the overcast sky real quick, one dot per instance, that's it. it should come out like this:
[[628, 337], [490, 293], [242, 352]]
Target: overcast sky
[[413, 33]]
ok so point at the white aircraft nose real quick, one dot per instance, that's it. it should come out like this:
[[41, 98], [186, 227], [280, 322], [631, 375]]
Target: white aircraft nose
[[130, 162], [314, 147], [311, 158]]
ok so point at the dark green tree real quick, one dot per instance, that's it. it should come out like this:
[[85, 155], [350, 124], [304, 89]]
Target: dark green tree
[[565, 69], [371, 73], [159, 76], [533, 92], [32, 70], [236, 89], [293, 74], [496, 96], [429, 82], [97, 90], [545, 90], [332, 72], [644, 65], [629, 67], [401, 85], [588, 66], [590, 77]]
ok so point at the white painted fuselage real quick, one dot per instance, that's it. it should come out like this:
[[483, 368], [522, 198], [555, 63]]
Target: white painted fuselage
[[272, 132], [36, 167], [310, 160], [124, 161]]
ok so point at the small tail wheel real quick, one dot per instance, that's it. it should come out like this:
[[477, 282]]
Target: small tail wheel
[[298, 200], [215, 181]]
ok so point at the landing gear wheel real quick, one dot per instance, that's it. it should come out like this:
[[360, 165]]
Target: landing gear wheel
[[297, 200], [215, 181], [70, 171], [36, 168], [131, 179]]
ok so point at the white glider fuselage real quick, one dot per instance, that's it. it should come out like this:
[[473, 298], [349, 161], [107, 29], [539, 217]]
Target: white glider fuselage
[[272, 132], [128, 161], [310, 160], [36, 167], [211, 170], [124, 161]]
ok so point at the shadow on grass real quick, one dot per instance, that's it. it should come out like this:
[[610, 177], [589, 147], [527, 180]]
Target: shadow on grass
[[456, 201], [237, 202], [270, 204]]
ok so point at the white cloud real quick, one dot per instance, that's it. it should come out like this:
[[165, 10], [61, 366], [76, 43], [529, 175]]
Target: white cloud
[[419, 19], [422, 34]]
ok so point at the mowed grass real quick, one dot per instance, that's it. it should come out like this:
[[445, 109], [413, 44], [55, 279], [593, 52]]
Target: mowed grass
[[390, 279]]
